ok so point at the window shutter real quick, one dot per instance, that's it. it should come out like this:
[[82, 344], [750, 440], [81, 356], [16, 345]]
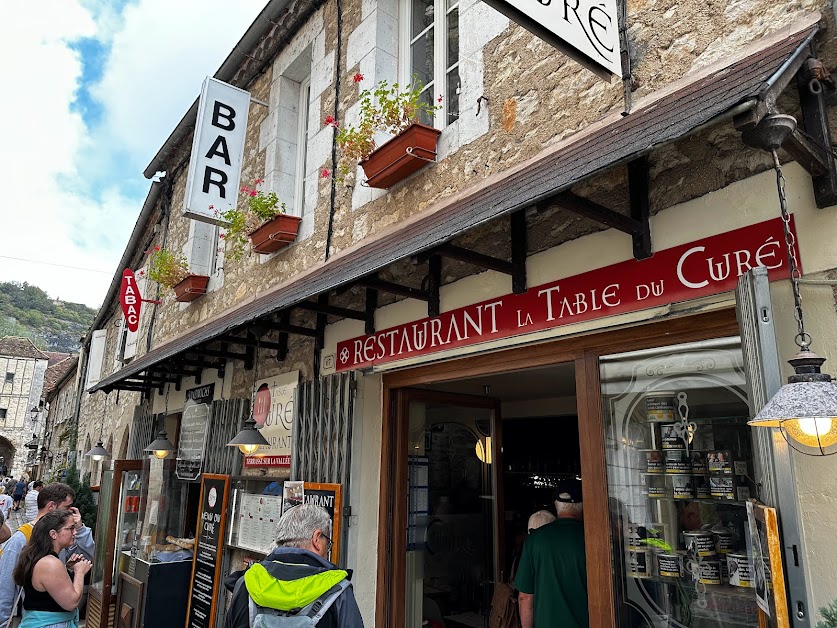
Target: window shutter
[[96, 357]]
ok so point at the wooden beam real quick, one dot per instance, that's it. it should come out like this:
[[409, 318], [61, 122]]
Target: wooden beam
[[371, 306], [331, 310], [282, 351], [592, 210], [638, 190], [815, 118], [519, 249], [394, 288], [477, 259], [250, 341], [434, 285], [212, 353], [291, 329]]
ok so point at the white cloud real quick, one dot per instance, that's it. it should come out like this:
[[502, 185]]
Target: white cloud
[[71, 194]]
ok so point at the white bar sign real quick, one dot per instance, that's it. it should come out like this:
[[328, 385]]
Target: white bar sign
[[217, 151]]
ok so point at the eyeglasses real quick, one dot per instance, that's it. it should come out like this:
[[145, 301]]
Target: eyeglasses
[[330, 542]]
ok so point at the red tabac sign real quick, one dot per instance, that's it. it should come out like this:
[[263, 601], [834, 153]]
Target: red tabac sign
[[130, 299], [702, 268]]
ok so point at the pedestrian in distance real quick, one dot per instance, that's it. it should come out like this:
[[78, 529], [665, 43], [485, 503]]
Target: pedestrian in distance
[[20, 490], [51, 597], [31, 500], [295, 585], [5, 503]]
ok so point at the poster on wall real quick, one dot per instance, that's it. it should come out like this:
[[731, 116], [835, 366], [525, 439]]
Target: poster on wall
[[273, 411], [206, 566], [330, 497]]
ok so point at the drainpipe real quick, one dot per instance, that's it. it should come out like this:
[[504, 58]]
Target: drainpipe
[[333, 196]]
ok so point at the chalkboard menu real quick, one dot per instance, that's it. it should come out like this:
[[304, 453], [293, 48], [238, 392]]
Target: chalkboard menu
[[206, 565], [190, 448], [330, 497]]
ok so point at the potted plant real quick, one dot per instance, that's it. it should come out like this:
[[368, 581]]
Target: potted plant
[[172, 270], [388, 109], [263, 221]]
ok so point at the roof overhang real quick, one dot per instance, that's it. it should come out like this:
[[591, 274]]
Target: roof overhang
[[713, 94]]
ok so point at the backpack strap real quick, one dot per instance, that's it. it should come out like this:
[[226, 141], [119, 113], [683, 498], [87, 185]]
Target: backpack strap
[[316, 609]]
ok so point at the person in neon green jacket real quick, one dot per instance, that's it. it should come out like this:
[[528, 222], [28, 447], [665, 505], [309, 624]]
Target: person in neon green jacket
[[295, 574]]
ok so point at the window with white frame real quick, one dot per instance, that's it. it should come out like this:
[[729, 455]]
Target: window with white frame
[[430, 53]]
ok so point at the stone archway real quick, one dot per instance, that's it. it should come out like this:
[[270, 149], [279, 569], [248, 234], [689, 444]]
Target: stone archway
[[7, 453], [122, 454]]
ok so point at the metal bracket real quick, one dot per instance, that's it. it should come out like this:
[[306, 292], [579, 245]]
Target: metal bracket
[[813, 81]]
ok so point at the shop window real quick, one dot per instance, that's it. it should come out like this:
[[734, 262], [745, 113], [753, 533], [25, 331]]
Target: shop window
[[680, 471], [288, 173], [430, 52]]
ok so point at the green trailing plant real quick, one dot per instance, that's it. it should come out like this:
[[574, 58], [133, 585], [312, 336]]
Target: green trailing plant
[[259, 207], [84, 496], [167, 267], [829, 616], [386, 108]]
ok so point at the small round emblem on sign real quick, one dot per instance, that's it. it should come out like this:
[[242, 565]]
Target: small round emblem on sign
[[344, 355], [213, 497]]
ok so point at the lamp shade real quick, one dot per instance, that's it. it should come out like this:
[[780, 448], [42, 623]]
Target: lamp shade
[[805, 409], [98, 453], [249, 439], [161, 447]]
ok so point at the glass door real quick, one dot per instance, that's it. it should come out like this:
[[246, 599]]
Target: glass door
[[680, 471], [449, 445]]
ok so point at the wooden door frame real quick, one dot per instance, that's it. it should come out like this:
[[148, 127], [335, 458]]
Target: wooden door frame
[[584, 352]]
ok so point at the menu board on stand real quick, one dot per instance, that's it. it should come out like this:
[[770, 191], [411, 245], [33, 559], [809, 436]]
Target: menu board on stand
[[206, 565], [192, 443]]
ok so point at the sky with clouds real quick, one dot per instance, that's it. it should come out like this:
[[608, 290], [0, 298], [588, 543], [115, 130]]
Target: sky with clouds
[[92, 88]]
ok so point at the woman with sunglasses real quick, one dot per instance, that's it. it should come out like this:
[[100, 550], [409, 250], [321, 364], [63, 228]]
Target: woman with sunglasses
[[51, 595]]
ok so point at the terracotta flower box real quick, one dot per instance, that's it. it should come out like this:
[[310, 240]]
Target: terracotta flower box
[[401, 156], [191, 288], [275, 234]]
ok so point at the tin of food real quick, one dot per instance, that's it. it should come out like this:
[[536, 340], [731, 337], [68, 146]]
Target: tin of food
[[656, 486], [740, 572], [698, 459], [654, 461], [660, 406], [682, 486], [678, 461], [639, 563], [669, 437], [700, 542], [722, 487], [701, 483], [719, 461], [724, 540], [671, 565], [710, 571]]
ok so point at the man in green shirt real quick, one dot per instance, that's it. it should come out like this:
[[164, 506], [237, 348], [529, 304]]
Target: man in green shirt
[[552, 576]]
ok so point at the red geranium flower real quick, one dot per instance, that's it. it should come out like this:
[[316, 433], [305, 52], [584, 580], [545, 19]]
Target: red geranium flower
[[358, 77], [324, 173], [439, 99], [244, 188], [253, 193], [331, 121], [257, 181]]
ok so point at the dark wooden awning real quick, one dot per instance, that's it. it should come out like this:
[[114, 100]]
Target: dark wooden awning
[[737, 85]]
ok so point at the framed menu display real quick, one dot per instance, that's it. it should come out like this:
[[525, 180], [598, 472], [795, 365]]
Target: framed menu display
[[206, 565]]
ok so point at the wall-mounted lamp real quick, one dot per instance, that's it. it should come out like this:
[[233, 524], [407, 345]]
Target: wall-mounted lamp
[[249, 439], [161, 447]]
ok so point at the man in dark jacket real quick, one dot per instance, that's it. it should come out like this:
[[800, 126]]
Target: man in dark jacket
[[294, 574]]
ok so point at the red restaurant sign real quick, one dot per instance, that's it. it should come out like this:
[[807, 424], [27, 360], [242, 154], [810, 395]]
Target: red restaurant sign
[[130, 299], [702, 268]]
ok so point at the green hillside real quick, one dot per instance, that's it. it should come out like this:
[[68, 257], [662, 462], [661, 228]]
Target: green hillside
[[52, 325]]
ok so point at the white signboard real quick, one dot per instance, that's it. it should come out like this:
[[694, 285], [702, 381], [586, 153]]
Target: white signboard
[[586, 30], [217, 151], [273, 411]]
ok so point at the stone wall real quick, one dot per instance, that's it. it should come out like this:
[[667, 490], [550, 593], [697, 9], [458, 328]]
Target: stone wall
[[18, 397]]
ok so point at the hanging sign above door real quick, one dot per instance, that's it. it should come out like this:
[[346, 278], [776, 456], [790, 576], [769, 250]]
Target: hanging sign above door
[[130, 299], [217, 151], [584, 30], [689, 271]]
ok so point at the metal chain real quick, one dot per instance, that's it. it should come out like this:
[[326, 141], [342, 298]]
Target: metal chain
[[802, 338]]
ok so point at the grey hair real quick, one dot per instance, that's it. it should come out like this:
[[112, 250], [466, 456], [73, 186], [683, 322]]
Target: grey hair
[[540, 518], [297, 526], [569, 510]]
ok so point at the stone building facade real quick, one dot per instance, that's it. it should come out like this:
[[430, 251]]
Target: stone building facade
[[509, 103], [60, 396], [23, 366]]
